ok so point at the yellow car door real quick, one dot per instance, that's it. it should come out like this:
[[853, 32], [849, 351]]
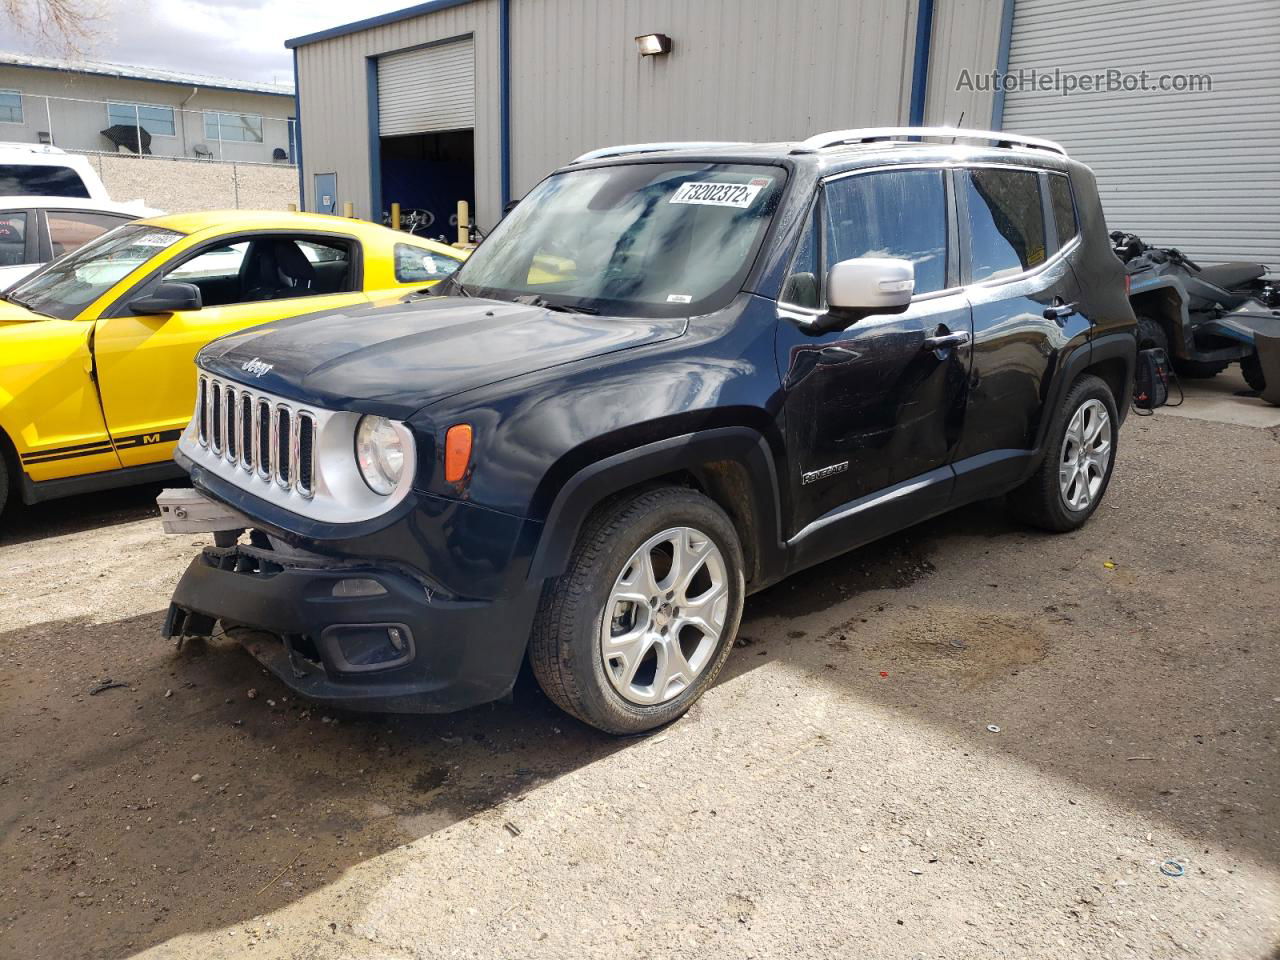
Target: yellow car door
[[145, 360], [48, 404]]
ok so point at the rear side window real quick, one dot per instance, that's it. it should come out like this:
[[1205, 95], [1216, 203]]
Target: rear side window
[[420, 265], [69, 230], [1006, 222], [17, 179], [1064, 208], [901, 213], [13, 239]]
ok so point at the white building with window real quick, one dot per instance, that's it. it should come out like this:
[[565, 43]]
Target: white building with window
[[109, 108]]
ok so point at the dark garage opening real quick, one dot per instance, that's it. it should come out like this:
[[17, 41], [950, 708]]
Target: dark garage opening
[[430, 171]]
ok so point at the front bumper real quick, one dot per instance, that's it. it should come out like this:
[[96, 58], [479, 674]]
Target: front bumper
[[452, 653]]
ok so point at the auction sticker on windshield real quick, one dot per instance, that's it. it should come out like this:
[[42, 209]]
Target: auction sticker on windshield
[[720, 194]]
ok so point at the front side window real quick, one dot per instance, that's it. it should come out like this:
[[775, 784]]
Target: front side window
[[67, 286], [420, 265], [237, 127], [10, 106], [1005, 222], [895, 213], [40, 180], [266, 268], [642, 239], [69, 230], [803, 284], [1064, 208], [157, 121], [13, 239]]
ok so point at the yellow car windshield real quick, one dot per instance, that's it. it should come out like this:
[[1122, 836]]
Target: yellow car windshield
[[71, 283]]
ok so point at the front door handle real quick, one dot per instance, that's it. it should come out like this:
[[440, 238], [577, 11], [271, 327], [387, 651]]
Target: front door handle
[[946, 341], [1059, 312]]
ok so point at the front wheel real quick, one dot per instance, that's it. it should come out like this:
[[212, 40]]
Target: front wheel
[[640, 624], [1251, 367], [1081, 450]]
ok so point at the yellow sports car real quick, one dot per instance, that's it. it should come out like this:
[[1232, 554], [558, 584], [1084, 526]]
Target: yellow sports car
[[96, 349]]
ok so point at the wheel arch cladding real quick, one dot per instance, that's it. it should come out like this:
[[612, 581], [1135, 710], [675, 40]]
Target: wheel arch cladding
[[1163, 305], [732, 466]]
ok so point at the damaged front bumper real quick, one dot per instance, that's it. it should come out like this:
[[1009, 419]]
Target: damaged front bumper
[[351, 633]]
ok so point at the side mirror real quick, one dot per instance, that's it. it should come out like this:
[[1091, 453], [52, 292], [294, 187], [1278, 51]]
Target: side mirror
[[168, 298], [871, 285]]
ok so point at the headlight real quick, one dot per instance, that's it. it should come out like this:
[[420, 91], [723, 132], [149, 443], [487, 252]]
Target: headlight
[[380, 453]]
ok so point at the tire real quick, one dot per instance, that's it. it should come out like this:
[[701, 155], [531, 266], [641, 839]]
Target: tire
[[4, 478], [1043, 500], [567, 648], [1251, 367], [1199, 369], [1151, 334]]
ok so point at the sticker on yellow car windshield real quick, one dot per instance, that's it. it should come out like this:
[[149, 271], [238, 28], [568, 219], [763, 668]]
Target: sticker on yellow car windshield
[[720, 194]]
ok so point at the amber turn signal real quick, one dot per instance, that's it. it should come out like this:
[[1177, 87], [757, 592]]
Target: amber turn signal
[[457, 452]]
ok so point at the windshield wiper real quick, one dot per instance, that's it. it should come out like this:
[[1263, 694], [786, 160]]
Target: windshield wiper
[[537, 300]]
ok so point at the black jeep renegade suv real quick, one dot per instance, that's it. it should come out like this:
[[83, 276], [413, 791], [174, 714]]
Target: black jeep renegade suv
[[673, 375]]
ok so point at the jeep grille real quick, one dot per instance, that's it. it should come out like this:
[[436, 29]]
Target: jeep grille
[[270, 440]]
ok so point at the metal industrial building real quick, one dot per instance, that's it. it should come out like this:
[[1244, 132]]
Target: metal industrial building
[[479, 99]]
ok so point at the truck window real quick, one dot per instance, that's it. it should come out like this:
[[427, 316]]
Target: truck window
[[42, 180]]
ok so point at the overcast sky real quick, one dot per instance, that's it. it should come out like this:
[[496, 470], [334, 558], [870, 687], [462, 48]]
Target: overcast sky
[[241, 39]]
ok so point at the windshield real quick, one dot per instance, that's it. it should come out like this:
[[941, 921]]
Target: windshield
[[650, 239], [71, 283]]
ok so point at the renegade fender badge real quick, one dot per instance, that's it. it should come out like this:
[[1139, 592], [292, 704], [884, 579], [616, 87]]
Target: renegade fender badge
[[256, 367], [813, 476]]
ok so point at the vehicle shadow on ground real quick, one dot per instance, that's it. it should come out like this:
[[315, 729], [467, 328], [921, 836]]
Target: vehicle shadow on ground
[[182, 802], [21, 523]]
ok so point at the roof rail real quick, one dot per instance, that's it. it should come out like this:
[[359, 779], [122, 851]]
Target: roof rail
[[836, 138], [626, 148]]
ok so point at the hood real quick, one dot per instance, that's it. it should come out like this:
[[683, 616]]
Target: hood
[[12, 313], [394, 360]]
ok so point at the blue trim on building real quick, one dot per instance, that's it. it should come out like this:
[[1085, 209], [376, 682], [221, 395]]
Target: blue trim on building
[[395, 16], [297, 136], [375, 141], [1002, 65], [920, 68], [504, 102]]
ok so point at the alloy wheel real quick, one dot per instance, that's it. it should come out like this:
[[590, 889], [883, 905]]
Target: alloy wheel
[[665, 616], [1086, 454]]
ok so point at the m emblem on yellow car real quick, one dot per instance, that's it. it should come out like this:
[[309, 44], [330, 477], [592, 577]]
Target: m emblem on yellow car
[[256, 367]]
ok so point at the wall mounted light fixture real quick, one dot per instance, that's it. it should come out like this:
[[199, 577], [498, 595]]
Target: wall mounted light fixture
[[653, 44]]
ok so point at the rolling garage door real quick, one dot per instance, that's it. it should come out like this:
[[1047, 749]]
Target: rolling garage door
[[427, 90], [1199, 170]]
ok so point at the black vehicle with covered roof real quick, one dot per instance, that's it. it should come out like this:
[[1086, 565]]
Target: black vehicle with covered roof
[[673, 375]]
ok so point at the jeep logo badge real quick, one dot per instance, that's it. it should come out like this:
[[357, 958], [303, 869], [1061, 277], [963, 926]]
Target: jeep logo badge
[[256, 367]]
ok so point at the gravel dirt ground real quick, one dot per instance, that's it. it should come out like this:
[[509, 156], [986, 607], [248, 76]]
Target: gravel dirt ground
[[969, 740]]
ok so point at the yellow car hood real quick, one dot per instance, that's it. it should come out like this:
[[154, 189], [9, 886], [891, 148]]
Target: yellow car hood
[[12, 313]]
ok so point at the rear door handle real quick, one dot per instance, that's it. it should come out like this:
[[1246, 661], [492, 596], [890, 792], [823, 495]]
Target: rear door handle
[[946, 341], [1059, 311]]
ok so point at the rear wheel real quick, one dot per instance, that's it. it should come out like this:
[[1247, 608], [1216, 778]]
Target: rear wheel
[[640, 624], [1071, 481], [1251, 367], [4, 480]]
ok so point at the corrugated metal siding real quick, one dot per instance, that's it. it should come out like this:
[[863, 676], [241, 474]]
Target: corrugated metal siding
[[739, 69], [966, 36], [1198, 170], [334, 104], [426, 90]]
